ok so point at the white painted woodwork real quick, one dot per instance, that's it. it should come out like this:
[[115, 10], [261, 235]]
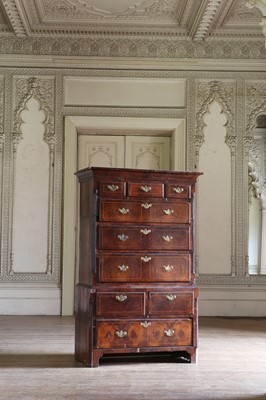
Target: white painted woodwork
[[214, 197], [101, 151], [148, 152], [31, 187], [232, 301], [81, 91], [30, 299]]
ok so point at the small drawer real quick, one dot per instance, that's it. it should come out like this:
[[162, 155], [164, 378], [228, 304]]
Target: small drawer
[[145, 211], [120, 268], [171, 303], [112, 189], [120, 304], [145, 189], [180, 191], [167, 268]]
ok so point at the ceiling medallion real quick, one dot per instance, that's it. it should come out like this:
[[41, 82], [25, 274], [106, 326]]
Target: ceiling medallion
[[113, 8]]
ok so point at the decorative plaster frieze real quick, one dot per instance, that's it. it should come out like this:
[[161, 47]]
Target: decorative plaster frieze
[[134, 46]]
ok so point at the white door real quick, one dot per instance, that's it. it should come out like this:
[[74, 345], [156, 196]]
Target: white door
[[141, 152]]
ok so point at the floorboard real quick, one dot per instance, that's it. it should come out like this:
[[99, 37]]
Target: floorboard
[[37, 362]]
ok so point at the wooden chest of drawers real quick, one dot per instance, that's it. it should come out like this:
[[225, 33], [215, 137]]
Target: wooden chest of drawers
[[136, 290]]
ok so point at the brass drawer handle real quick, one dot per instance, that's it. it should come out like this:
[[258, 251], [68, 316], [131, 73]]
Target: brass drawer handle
[[145, 324], [113, 188], [168, 268], [169, 332], [145, 189], [167, 238], [121, 297], [121, 334], [146, 205], [123, 267], [145, 231], [123, 210], [122, 237], [178, 189], [145, 259], [168, 212], [170, 297]]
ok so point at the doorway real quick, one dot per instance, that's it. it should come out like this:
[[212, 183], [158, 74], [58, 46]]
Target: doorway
[[148, 143]]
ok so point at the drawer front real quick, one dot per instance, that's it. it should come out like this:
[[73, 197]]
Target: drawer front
[[120, 268], [120, 334], [144, 238], [152, 189], [178, 191], [144, 267], [178, 213], [171, 303], [170, 268], [145, 333], [170, 333], [119, 304], [112, 189]]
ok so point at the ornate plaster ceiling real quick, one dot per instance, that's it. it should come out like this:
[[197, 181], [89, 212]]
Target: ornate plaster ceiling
[[195, 19]]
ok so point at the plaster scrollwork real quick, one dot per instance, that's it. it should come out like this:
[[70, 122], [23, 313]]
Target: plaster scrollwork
[[224, 93], [255, 169], [42, 89], [261, 5]]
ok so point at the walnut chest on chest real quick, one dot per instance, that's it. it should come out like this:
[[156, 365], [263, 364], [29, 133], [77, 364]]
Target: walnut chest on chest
[[136, 291]]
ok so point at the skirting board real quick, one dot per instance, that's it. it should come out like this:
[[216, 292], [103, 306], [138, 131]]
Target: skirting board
[[232, 301], [30, 300]]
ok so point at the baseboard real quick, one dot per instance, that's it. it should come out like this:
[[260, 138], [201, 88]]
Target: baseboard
[[232, 301], [30, 299]]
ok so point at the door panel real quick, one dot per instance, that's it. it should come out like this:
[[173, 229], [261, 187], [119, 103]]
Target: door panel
[[100, 151], [147, 152]]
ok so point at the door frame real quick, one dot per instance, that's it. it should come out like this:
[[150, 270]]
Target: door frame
[[75, 125]]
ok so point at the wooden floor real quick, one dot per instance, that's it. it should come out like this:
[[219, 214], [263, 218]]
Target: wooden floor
[[37, 362]]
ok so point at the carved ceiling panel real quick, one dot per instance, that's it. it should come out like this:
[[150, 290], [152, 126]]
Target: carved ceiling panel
[[190, 18], [195, 20]]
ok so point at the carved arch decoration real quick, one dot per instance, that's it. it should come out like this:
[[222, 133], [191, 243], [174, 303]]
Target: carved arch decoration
[[224, 93], [2, 142], [41, 89], [255, 107]]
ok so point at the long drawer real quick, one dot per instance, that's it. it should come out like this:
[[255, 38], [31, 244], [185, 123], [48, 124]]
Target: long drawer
[[145, 267], [145, 238], [142, 211], [144, 333]]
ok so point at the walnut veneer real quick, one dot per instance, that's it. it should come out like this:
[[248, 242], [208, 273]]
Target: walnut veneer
[[136, 290]]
